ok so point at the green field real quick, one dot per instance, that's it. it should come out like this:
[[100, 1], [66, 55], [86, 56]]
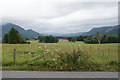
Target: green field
[[62, 56]]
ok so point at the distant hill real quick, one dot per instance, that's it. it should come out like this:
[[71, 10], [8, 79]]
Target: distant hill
[[110, 30], [65, 35], [33, 33], [26, 33], [74, 34], [0, 31]]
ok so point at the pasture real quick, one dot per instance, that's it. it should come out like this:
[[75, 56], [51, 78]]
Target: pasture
[[61, 56]]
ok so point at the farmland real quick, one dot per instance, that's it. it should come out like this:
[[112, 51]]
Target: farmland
[[61, 56]]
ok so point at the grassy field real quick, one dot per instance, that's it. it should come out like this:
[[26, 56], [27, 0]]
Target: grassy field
[[62, 56]]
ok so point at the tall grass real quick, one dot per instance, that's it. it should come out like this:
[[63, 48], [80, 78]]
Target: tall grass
[[63, 56]]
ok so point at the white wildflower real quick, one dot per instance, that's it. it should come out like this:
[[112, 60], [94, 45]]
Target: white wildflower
[[56, 50], [47, 50], [59, 49], [45, 46], [53, 59], [39, 47], [51, 53], [65, 64], [29, 53]]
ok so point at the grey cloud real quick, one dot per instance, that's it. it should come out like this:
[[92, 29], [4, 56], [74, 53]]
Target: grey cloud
[[60, 17]]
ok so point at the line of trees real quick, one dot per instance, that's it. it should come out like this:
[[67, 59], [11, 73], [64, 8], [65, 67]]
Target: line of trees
[[48, 39], [97, 39], [101, 39], [13, 37]]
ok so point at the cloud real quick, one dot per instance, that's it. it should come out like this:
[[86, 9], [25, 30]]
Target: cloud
[[59, 17]]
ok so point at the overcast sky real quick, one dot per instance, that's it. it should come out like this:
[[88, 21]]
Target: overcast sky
[[46, 16]]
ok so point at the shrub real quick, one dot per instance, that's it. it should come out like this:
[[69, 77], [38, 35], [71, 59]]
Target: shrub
[[48, 39], [77, 60], [72, 39]]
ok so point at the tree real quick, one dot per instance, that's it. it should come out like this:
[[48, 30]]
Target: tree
[[5, 40], [90, 40], [98, 37], [21, 39], [80, 38], [72, 39], [13, 37], [41, 39], [104, 38]]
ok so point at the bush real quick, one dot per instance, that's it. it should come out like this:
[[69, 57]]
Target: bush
[[48, 39], [90, 40], [28, 42], [75, 61], [72, 39]]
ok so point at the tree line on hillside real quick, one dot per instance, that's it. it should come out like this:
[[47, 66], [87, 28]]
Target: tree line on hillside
[[13, 37]]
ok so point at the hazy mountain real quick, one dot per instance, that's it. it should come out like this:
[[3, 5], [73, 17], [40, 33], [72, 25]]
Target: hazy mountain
[[74, 34], [65, 35], [0, 31], [110, 30], [33, 33], [26, 33]]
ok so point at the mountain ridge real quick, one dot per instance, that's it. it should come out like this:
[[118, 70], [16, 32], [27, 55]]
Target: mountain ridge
[[26, 33], [110, 30]]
